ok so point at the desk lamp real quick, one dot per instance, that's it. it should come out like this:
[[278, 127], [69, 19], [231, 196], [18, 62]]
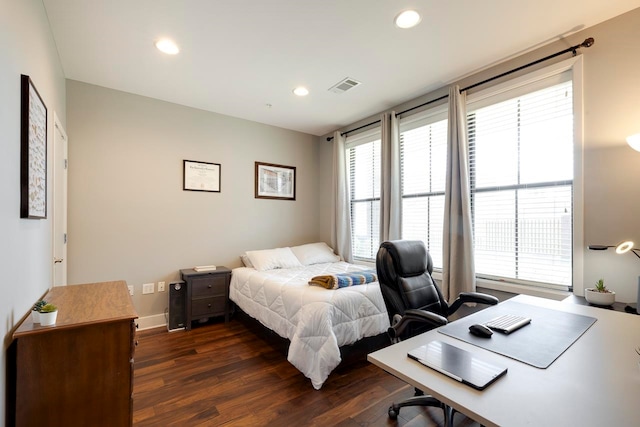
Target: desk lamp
[[623, 248], [634, 142]]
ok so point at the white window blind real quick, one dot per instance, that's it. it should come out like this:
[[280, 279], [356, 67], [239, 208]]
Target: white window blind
[[521, 169], [363, 157], [423, 155]]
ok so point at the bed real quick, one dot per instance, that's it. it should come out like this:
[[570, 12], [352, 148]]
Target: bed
[[316, 321]]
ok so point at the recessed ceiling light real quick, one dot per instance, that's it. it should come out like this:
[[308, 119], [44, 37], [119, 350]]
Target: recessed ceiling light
[[167, 46], [301, 91], [408, 19]]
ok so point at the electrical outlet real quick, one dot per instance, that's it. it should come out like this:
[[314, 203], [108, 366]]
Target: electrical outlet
[[148, 288], [130, 289], [160, 286]]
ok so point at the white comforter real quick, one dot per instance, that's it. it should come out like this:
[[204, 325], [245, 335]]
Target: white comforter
[[316, 320]]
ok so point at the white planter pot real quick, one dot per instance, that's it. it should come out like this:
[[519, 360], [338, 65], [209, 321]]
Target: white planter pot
[[47, 319], [599, 298], [35, 316]]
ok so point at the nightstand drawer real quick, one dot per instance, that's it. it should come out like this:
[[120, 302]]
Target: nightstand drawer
[[213, 285], [205, 306]]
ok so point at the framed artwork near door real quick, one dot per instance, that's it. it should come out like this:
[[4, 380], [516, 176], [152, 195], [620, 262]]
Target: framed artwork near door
[[33, 152]]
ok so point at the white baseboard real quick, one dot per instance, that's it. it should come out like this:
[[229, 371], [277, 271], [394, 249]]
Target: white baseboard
[[150, 322]]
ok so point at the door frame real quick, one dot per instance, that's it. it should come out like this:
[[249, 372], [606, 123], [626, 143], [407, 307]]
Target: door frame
[[59, 239]]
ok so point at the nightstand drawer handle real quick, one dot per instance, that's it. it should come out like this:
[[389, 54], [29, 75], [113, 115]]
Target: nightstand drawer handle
[[209, 305], [209, 286]]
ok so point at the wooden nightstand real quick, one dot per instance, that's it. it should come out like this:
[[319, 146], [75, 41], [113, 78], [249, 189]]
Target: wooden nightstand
[[207, 294]]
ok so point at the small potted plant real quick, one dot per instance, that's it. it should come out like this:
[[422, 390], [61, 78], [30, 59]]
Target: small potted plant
[[48, 314], [600, 295], [35, 311]]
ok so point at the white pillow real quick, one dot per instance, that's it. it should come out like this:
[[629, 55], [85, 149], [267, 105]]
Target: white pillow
[[314, 253], [246, 261], [269, 259]]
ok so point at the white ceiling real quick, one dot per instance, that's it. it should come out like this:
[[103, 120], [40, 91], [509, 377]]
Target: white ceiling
[[237, 56]]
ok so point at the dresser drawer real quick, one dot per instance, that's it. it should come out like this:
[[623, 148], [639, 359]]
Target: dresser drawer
[[208, 306], [212, 285], [85, 360]]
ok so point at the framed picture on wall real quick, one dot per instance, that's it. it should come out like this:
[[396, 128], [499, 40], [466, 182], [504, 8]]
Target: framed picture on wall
[[275, 181], [201, 176], [33, 152]]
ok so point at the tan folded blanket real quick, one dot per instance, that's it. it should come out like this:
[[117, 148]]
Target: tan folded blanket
[[344, 280]]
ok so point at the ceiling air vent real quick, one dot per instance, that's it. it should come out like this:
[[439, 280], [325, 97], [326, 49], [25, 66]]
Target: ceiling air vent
[[344, 85]]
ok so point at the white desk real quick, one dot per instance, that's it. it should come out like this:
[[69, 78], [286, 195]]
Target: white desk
[[596, 382]]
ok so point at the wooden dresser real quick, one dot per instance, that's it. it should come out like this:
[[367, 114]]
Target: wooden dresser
[[78, 372]]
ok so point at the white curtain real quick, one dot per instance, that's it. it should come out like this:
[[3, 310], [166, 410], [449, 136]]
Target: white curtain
[[458, 273], [341, 217], [390, 191]]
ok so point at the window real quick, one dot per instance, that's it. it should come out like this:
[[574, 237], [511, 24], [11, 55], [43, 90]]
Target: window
[[521, 173], [423, 156], [363, 158]]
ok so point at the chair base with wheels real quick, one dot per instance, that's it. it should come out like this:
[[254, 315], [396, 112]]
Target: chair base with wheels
[[415, 303], [418, 400]]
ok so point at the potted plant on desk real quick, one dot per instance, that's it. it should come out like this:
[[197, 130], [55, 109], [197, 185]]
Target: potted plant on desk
[[48, 314], [600, 295]]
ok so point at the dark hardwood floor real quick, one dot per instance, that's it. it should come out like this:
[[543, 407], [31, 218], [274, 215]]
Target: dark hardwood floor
[[221, 374]]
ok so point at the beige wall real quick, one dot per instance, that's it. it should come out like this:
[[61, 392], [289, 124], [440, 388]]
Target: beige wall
[[129, 217], [26, 47], [611, 168]]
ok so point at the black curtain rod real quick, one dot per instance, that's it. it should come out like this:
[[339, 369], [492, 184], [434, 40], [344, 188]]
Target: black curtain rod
[[330, 138], [586, 43]]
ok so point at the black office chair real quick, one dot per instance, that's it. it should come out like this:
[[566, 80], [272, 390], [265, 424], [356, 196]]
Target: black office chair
[[415, 303]]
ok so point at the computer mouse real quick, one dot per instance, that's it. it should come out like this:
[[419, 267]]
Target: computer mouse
[[480, 330]]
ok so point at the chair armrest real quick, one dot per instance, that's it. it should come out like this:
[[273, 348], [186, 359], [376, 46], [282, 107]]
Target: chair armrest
[[472, 297], [413, 316]]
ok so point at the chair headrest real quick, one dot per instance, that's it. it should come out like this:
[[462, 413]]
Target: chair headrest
[[410, 257]]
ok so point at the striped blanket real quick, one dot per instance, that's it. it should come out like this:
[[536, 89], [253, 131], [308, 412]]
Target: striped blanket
[[344, 280]]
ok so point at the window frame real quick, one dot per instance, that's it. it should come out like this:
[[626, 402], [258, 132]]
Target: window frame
[[424, 118], [352, 141], [575, 66]]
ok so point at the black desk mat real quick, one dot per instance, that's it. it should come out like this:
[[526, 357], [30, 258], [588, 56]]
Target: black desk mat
[[540, 343]]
